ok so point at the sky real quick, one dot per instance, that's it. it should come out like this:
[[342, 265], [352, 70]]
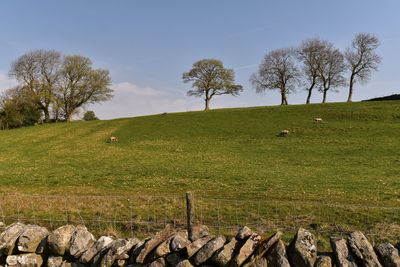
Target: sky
[[148, 44]]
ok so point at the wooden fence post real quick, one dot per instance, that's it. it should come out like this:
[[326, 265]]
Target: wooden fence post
[[190, 214]]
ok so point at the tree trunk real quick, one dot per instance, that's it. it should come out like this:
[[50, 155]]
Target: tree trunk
[[351, 88], [283, 99], [324, 96], [309, 93], [46, 115], [207, 104]]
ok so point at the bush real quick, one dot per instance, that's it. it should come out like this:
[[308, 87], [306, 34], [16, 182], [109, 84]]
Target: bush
[[89, 116]]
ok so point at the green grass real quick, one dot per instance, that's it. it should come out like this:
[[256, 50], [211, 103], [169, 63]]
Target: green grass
[[352, 159]]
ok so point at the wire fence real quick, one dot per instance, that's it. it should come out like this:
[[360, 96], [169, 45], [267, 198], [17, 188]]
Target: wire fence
[[140, 215]]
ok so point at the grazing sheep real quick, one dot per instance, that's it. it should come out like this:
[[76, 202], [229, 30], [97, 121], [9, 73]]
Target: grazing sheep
[[283, 133], [317, 120], [113, 139]]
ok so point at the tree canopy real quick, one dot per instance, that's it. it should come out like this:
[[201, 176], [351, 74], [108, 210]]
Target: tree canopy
[[209, 78]]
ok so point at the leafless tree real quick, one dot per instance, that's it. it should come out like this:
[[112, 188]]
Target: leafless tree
[[277, 71], [209, 78], [37, 71], [310, 55], [362, 59], [79, 84], [331, 68]]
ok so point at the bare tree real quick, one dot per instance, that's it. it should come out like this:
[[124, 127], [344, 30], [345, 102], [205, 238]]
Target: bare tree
[[38, 72], [277, 71], [331, 68], [79, 84], [209, 78], [310, 54], [362, 59]]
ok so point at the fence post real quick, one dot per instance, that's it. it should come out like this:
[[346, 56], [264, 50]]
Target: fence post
[[189, 214]]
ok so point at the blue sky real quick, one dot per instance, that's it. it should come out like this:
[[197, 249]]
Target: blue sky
[[148, 44]]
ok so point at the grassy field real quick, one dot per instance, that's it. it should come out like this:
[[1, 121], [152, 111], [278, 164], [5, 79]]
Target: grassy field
[[348, 166]]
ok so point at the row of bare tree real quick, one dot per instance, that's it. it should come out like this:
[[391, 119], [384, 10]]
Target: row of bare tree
[[322, 67], [51, 87], [315, 65]]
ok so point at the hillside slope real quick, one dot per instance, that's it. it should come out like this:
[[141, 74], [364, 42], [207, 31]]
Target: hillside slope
[[353, 156]]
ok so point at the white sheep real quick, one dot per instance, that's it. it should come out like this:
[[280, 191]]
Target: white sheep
[[317, 120]]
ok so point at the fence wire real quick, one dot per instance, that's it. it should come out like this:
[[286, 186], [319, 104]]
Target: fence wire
[[140, 215]]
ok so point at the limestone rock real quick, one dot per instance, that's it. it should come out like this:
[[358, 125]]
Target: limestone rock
[[184, 263], [25, 260], [31, 238], [160, 262], [2, 226], [96, 248], [9, 236], [199, 231], [153, 243], [363, 250], [388, 254], [262, 262], [263, 247], [162, 250], [209, 249], [323, 261], [123, 252], [243, 233], [193, 247], [223, 256], [174, 259], [109, 257], [343, 256], [58, 241], [179, 241], [302, 251], [81, 241], [55, 261], [246, 250], [276, 256]]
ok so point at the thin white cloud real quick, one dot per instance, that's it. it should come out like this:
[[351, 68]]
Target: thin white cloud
[[133, 100], [135, 90]]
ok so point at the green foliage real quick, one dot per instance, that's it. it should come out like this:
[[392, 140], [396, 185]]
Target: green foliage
[[210, 78], [89, 116]]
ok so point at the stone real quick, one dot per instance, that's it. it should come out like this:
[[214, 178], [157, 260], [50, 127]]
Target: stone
[[55, 261], [262, 262], [153, 243], [246, 250], [119, 250], [193, 247], [25, 260], [207, 251], [58, 241], [343, 256], [276, 256], [173, 259], [243, 233], [2, 227], [388, 254], [184, 263], [363, 250], [262, 248], [199, 231], [179, 241], [160, 262], [31, 238], [81, 241], [162, 250], [323, 261], [12, 260], [302, 250], [96, 248], [9, 237], [223, 256], [109, 257]]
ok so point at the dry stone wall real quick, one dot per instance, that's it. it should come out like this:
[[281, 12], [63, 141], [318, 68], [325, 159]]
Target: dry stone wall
[[32, 245]]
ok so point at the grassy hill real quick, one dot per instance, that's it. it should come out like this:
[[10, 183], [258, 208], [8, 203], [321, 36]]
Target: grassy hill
[[352, 158]]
